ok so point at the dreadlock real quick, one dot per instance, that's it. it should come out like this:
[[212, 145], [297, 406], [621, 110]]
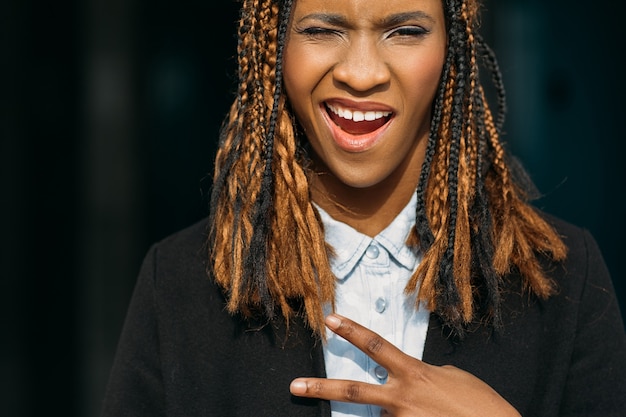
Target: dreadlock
[[267, 246], [473, 222]]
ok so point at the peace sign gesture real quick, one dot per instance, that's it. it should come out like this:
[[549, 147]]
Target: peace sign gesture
[[413, 388]]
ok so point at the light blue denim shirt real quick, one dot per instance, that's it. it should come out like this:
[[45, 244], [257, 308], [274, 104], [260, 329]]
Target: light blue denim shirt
[[371, 275]]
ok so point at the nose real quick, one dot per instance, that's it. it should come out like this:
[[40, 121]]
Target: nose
[[362, 67]]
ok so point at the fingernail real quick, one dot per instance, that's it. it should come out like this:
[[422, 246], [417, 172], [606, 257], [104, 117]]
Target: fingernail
[[297, 387], [333, 322]]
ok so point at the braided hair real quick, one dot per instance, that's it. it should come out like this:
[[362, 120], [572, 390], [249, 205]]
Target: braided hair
[[473, 220]]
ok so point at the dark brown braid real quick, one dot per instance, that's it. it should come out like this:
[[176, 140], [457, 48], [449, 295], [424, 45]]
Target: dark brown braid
[[265, 239], [473, 222], [478, 224]]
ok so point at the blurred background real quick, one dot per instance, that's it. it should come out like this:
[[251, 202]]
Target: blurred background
[[109, 113]]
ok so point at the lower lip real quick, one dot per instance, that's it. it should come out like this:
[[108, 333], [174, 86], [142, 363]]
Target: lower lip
[[353, 143]]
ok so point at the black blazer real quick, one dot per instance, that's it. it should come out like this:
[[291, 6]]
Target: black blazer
[[180, 354]]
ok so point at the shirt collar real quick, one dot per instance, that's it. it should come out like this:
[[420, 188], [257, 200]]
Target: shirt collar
[[349, 245]]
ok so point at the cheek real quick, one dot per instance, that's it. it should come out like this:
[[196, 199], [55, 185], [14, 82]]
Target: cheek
[[296, 83], [302, 76], [304, 69], [423, 77], [290, 76], [419, 89], [299, 69]]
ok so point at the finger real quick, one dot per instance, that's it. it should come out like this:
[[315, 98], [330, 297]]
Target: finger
[[339, 390], [371, 343]]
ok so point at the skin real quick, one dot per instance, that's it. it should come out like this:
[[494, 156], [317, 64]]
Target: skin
[[386, 56], [413, 388], [356, 56]]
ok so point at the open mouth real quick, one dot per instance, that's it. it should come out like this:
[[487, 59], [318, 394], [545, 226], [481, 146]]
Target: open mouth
[[357, 122]]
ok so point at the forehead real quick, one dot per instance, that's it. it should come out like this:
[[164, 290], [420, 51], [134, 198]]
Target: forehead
[[366, 9]]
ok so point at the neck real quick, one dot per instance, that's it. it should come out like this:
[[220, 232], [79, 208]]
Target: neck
[[368, 210]]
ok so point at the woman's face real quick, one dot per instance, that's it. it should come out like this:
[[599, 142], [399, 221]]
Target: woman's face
[[361, 76]]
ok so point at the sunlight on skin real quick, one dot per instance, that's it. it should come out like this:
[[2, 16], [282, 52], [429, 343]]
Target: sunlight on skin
[[414, 388]]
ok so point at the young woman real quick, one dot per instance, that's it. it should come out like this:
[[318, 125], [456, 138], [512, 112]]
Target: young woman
[[369, 250]]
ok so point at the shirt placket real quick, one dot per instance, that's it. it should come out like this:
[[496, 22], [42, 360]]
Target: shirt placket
[[376, 272]]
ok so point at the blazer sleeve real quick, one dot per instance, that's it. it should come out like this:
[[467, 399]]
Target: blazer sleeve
[[135, 386], [596, 385]]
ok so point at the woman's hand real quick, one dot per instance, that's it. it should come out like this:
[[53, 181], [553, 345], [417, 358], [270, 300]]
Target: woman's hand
[[413, 388]]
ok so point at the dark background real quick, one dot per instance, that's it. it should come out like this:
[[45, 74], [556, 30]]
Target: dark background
[[109, 112]]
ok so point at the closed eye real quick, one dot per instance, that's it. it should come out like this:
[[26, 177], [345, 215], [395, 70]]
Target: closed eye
[[408, 31], [316, 31]]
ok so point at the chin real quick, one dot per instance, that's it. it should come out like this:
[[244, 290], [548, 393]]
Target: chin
[[359, 181]]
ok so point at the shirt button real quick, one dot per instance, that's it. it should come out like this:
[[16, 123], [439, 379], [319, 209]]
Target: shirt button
[[380, 305], [372, 251], [380, 372]]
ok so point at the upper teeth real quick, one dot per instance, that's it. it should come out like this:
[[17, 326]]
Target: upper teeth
[[357, 115]]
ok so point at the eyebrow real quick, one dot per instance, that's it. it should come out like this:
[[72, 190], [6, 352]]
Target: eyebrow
[[391, 20], [331, 19], [400, 18]]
